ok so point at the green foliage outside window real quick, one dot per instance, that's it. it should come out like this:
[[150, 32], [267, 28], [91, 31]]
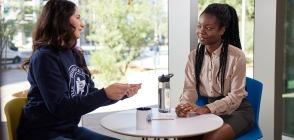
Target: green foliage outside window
[[28, 10], [124, 29], [106, 66]]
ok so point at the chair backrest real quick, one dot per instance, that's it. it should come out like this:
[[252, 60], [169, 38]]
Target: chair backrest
[[254, 89], [202, 100], [13, 111]]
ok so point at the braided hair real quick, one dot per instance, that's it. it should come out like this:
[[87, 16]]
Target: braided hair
[[226, 17]]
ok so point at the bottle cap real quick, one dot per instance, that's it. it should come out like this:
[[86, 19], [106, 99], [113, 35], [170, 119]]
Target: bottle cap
[[165, 78]]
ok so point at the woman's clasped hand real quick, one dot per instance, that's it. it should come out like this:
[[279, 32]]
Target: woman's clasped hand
[[183, 110]]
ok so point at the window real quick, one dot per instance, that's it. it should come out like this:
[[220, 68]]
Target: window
[[126, 30], [288, 94]]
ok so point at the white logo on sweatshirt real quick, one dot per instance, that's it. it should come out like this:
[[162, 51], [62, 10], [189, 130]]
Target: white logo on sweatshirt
[[80, 84], [77, 81]]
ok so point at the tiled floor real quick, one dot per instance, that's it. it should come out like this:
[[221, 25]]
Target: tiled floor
[[4, 133]]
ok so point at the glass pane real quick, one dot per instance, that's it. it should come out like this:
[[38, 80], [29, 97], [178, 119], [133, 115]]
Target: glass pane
[[134, 31], [288, 90], [126, 41], [245, 10]]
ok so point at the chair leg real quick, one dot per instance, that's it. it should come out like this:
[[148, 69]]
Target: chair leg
[[163, 138], [157, 139]]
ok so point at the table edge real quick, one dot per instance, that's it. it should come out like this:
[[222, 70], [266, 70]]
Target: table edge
[[148, 136]]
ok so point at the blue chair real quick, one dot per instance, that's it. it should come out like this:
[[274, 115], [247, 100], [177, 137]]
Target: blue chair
[[254, 89]]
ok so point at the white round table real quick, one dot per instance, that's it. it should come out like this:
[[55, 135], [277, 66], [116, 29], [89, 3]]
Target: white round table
[[124, 122]]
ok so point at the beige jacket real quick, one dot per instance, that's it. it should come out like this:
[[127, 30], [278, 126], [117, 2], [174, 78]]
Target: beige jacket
[[234, 84]]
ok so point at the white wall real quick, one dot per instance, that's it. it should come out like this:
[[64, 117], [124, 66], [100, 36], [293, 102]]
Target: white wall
[[193, 24], [264, 63], [179, 45]]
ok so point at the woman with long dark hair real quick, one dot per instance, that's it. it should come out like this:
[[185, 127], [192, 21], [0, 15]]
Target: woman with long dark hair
[[61, 86], [217, 69]]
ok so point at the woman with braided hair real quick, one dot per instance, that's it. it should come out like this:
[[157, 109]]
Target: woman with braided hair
[[217, 69]]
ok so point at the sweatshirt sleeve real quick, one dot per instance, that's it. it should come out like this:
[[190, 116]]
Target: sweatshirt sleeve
[[46, 70]]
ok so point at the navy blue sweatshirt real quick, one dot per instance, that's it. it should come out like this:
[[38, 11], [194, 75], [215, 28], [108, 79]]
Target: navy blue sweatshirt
[[60, 93]]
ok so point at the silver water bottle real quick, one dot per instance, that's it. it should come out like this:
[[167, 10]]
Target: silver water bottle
[[164, 93]]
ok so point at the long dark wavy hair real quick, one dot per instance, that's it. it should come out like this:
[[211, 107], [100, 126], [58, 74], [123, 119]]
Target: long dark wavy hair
[[53, 30], [226, 17]]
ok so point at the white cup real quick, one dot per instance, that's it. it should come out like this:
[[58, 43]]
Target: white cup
[[144, 118]]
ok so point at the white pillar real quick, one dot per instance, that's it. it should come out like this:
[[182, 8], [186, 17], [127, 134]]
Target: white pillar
[[243, 24], [268, 64], [179, 45]]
